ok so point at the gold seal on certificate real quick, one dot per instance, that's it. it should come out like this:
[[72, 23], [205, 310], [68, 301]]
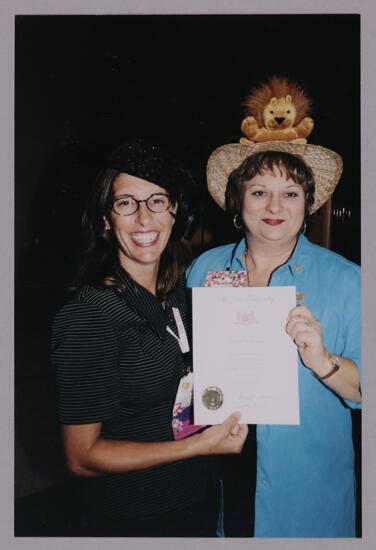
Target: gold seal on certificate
[[212, 398]]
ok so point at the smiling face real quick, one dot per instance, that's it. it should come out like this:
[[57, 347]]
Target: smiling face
[[142, 236], [273, 208]]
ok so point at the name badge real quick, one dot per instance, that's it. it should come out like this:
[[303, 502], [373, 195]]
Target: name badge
[[181, 415], [226, 278]]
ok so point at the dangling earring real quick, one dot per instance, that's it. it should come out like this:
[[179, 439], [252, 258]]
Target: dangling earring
[[236, 223], [304, 227]]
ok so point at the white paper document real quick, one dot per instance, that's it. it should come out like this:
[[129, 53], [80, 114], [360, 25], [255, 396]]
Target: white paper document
[[243, 359]]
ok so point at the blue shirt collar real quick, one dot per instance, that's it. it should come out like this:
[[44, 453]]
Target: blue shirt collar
[[297, 263], [236, 256]]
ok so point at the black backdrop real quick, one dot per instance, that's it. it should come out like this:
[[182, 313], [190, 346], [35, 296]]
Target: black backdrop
[[85, 83]]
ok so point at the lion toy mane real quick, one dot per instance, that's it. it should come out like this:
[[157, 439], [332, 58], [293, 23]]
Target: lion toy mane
[[277, 111]]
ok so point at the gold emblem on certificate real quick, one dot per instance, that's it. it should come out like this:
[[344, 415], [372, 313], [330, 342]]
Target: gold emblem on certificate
[[212, 398]]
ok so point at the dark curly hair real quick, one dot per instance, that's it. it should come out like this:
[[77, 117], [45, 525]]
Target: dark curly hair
[[293, 165], [100, 247]]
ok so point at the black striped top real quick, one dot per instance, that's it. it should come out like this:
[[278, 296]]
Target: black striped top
[[117, 364]]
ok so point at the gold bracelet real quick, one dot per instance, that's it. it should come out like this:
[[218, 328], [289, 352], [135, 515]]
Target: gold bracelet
[[335, 363]]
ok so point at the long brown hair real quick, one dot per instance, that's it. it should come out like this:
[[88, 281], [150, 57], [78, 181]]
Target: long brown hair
[[100, 247]]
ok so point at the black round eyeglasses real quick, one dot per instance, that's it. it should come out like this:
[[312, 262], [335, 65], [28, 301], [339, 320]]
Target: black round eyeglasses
[[128, 205]]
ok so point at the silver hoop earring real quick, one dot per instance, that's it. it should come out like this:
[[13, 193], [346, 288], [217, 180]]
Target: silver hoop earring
[[236, 223]]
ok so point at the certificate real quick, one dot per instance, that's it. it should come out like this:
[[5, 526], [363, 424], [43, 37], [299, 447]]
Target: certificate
[[243, 359]]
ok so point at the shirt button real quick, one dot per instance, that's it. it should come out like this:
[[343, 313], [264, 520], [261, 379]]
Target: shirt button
[[298, 268]]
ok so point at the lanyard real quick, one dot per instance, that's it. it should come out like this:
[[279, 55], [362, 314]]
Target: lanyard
[[182, 338]]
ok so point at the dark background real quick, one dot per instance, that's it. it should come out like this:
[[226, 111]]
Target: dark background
[[85, 83]]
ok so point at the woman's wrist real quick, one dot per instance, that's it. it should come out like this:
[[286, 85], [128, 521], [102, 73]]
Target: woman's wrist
[[195, 445], [329, 367]]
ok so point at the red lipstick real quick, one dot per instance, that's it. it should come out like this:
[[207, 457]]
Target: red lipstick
[[270, 221]]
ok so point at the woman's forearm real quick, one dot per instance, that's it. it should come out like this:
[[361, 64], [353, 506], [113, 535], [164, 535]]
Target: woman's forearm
[[114, 456], [345, 382], [89, 455], [306, 332]]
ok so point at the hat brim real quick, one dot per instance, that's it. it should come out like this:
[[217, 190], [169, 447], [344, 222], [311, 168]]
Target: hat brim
[[326, 166]]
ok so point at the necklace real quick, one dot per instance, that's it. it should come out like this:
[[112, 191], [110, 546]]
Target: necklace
[[259, 279], [246, 265]]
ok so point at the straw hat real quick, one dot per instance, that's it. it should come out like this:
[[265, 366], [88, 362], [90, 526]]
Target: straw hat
[[326, 166]]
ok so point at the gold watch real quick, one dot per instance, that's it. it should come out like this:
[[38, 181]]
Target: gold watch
[[335, 364]]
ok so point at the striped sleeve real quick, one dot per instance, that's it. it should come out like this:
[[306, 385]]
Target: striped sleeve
[[84, 355]]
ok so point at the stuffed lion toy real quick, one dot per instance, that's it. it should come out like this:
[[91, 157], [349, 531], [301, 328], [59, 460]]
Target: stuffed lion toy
[[277, 111]]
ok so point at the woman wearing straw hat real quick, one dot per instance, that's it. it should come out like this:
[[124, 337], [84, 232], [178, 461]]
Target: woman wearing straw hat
[[121, 355], [305, 481]]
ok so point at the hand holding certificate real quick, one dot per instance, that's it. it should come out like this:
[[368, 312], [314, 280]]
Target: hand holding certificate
[[243, 360]]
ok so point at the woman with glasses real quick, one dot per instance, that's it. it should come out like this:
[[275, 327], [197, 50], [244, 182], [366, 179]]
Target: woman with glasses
[[121, 354]]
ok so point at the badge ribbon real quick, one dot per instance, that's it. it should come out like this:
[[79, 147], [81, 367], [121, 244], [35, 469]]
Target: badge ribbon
[[182, 338], [181, 414]]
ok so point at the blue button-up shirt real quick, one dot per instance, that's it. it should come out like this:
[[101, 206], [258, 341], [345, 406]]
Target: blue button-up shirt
[[305, 483]]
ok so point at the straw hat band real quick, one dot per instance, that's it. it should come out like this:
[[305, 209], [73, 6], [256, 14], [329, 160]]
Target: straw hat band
[[326, 166]]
